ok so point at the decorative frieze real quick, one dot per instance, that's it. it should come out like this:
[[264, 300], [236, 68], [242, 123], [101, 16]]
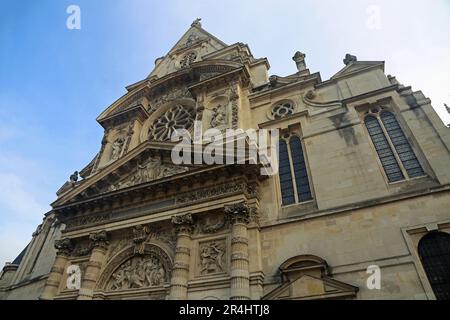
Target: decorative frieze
[[211, 192]]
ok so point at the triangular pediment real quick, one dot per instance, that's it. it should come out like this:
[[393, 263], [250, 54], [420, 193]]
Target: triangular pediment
[[308, 287], [358, 66], [149, 162], [306, 277], [196, 40]]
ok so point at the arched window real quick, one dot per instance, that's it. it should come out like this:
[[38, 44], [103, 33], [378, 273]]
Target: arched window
[[396, 154], [401, 145], [434, 252], [287, 188], [295, 187]]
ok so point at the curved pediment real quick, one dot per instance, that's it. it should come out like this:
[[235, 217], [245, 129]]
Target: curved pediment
[[146, 96]]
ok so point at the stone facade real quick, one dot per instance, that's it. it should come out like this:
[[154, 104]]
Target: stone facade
[[136, 226]]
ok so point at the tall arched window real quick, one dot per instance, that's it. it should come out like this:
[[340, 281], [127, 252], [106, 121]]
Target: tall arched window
[[295, 187], [287, 188], [396, 154], [434, 252]]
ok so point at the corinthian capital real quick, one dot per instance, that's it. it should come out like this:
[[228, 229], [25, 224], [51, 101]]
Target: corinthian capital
[[64, 246], [99, 239], [238, 213], [183, 223]]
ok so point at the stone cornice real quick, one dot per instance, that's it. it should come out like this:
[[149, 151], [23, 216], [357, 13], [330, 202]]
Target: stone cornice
[[181, 77], [295, 85]]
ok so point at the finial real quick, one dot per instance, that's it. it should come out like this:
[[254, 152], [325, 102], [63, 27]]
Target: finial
[[299, 59], [349, 58], [197, 23]]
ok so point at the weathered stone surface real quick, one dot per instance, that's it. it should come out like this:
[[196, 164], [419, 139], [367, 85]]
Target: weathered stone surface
[[141, 227]]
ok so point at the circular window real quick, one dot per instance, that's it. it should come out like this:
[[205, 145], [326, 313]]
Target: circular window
[[176, 118], [282, 110]]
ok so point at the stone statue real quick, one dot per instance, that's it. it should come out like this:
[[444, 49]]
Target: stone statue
[[299, 59], [219, 116], [117, 148], [74, 177], [349, 58], [211, 258], [197, 23]]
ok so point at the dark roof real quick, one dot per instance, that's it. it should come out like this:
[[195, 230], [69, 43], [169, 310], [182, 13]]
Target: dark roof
[[19, 258]]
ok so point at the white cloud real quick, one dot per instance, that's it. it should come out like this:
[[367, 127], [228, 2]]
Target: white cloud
[[21, 205]]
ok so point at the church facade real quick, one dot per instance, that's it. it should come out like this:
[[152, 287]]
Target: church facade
[[359, 207]]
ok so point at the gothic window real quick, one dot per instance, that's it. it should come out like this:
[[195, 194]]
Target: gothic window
[[394, 151], [188, 59], [282, 110], [434, 252], [294, 181], [176, 118]]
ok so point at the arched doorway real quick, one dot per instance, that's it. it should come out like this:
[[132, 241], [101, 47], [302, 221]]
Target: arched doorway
[[434, 252]]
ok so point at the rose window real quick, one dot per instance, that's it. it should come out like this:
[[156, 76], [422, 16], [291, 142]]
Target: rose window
[[282, 110], [176, 118]]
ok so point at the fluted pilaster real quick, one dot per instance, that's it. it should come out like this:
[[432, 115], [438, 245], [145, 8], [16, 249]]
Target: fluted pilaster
[[238, 215], [99, 248], [180, 274], [64, 247]]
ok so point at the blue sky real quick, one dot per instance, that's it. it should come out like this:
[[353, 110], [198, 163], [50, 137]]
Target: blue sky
[[54, 82]]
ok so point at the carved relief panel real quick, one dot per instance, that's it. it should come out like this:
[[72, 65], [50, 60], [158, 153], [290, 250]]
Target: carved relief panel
[[212, 257], [139, 272], [218, 113], [151, 169], [115, 144]]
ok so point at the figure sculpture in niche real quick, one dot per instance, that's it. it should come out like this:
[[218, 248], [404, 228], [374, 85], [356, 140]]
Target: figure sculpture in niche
[[219, 116], [117, 148]]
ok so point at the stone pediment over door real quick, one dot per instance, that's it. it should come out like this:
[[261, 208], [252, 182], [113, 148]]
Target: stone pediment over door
[[306, 278]]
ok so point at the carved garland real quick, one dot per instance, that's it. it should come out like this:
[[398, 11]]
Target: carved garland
[[234, 97]]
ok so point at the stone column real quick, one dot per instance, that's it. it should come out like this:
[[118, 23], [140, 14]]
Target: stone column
[[99, 247], [238, 215], [180, 274], [64, 247]]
